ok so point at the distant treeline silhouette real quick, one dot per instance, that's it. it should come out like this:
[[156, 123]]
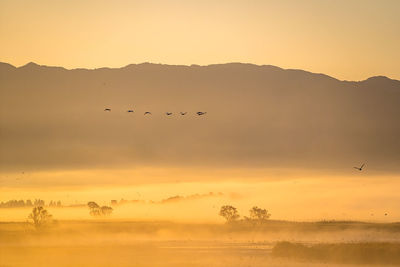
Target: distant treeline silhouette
[[29, 203], [172, 199]]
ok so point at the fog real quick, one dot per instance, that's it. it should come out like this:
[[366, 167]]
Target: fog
[[301, 199], [123, 243]]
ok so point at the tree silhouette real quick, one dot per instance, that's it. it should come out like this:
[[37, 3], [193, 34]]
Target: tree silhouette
[[230, 213], [38, 203], [40, 217], [258, 214], [95, 210], [105, 210]]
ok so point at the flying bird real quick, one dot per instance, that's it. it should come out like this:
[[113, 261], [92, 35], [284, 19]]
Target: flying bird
[[107, 109], [130, 110], [201, 113], [168, 113], [359, 168], [147, 112], [183, 113]]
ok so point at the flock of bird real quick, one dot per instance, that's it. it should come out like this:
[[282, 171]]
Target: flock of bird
[[199, 113]]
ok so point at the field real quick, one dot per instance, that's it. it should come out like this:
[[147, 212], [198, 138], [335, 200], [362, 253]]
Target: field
[[128, 243]]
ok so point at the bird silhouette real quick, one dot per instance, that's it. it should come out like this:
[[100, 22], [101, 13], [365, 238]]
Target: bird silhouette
[[107, 109], [168, 113], [359, 168], [183, 113], [200, 113], [130, 110], [147, 112]]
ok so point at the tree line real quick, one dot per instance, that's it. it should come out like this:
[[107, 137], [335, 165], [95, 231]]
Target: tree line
[[28, 203]]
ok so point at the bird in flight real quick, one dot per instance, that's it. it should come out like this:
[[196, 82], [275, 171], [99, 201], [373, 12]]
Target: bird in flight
[[147, 112], [107, 109], [183, 113], [359, 168], [168, 113], [130, 110], [201, 113]]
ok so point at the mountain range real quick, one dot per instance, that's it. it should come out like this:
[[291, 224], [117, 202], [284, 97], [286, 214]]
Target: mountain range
[[257, 116]]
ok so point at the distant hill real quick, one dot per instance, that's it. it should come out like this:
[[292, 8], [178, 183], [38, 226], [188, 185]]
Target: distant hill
[[261, 116]]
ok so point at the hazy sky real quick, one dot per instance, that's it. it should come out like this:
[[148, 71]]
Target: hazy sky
[[348, 39]]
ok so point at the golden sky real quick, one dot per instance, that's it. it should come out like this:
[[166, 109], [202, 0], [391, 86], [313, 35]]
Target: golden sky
[[347, 39]]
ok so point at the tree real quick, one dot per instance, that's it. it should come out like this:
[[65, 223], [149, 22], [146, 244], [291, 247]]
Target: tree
[[93, 205], [105, 210], [38, 203], [95, 210], [230, 213], [259, 214], [40, 217]]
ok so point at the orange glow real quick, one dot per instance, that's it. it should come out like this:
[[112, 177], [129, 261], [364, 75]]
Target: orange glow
[[349, 40]]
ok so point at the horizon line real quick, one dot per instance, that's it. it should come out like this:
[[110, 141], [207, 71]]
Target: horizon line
[[32, 63]]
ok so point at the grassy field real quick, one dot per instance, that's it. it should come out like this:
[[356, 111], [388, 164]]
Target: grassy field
[[127, 243]]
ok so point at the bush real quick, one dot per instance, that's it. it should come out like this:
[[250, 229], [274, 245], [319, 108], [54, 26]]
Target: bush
[[356, 253]]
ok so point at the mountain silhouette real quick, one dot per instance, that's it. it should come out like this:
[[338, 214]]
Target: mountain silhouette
[[52, 117]]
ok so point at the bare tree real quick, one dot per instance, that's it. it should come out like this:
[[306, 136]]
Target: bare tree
[[40, 217], [230, 213]]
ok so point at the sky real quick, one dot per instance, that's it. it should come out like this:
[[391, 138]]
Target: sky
[[347, 39]]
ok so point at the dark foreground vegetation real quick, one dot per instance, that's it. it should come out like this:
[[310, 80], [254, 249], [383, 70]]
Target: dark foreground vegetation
[[353, 253]]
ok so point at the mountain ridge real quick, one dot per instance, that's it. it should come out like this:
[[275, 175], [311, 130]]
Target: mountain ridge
[[256, 116], [33, 65]]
